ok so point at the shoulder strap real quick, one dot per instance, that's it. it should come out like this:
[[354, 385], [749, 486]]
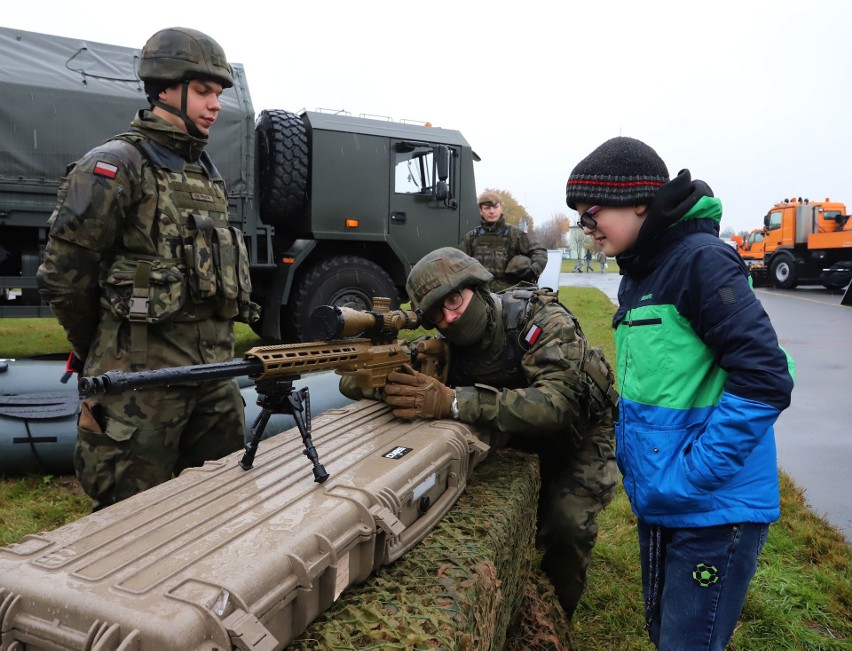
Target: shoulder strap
[[123, 148]]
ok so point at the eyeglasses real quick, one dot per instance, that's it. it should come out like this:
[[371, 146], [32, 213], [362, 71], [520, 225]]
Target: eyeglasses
[[587, 219], [452, 301]]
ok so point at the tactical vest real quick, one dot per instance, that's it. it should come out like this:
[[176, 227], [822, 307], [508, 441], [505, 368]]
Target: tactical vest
[[201, 265], [491, 248], [502, 367]]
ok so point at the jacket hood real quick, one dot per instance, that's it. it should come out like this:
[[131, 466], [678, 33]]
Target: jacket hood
[[681, 206]]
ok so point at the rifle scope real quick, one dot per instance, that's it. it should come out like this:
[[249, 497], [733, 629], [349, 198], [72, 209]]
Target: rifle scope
[[330, 322]]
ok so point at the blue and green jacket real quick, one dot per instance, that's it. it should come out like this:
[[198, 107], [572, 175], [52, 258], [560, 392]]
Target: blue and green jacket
[[701, 374]]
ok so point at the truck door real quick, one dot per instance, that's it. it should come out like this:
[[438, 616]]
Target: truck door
[[423, 215]]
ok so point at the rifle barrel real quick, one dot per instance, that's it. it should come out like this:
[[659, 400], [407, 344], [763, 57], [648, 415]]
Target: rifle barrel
[[114, 382]]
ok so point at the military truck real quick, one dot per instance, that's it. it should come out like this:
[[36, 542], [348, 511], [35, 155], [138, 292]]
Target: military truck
[[334, 208]]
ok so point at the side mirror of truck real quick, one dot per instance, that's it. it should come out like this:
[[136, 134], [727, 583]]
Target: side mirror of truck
[[441, 190], [442, 160], [442, 165]]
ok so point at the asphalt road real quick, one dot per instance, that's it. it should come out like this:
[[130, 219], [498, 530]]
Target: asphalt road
[[814, 435]]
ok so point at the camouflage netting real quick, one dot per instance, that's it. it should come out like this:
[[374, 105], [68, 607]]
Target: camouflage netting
[[539, 623], [457, 589]]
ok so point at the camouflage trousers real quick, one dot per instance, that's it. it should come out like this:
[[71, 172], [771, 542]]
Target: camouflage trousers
[[575, 488], [131, 442]]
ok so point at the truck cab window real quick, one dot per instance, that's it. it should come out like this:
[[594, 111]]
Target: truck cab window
[[774, 221], [415, 169]]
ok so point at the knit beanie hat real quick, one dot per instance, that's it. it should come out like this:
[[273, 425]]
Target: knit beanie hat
[[620, 172]]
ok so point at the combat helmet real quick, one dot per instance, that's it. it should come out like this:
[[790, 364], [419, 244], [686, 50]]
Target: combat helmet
[[177, 54], [440, 272]]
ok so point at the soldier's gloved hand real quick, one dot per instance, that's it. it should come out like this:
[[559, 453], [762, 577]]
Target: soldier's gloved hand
[[74, 364], [432, 357], [528, 274], [416, 395], [348, 386]]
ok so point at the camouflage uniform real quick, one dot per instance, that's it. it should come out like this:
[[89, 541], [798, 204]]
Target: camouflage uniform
[[143, 272], [495, 244], [533, 375]]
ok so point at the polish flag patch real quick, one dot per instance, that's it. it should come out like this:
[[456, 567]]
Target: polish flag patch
[[105, 169], [532, 334]]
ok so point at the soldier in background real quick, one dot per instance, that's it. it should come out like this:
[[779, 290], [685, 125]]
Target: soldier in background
[[143, 272], [520, 364], [504, 250]]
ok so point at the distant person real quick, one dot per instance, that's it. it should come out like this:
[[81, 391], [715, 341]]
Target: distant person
[[504, 250], [602, 260], [143, 271], [588, 259], [702, 381]]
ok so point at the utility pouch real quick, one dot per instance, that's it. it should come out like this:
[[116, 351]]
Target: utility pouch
[[225, 255], [248, 312], [601, 374], [145, 291], [200, 257]]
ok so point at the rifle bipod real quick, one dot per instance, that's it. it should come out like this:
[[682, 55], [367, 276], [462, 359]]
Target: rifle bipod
[[278, 397]]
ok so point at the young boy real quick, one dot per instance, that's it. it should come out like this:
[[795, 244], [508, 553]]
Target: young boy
[[702, 380]]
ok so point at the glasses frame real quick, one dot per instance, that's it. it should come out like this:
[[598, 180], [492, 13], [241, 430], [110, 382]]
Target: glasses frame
[[451, 301], [587, 219]]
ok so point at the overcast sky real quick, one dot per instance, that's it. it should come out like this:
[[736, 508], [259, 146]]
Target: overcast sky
[[753, 97]]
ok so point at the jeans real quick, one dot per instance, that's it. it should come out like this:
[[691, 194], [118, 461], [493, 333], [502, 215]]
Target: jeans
[[695, 582]]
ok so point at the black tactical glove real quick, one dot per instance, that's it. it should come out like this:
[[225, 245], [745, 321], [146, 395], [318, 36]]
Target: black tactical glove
[[527, 274]]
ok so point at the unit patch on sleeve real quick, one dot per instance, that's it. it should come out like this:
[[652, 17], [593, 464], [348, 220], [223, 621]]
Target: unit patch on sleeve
[[532, 334], [105, 169]]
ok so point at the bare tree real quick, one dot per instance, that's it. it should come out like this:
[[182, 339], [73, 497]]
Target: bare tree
[[578, 242], [551, 234]]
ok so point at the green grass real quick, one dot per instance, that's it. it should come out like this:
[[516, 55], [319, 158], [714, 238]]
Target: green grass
[[30, 337], [800, 599]]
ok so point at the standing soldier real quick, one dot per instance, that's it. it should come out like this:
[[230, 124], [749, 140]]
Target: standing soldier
[[504, 250], [520, 364], [143, 271]]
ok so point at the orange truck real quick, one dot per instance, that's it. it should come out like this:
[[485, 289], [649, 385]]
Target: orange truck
[[751, 250], [807, 243]]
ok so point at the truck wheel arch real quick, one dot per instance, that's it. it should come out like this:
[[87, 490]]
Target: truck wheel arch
[[346, 280]]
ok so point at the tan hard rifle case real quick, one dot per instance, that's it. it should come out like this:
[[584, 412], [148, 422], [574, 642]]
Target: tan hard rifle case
[[222, 558]]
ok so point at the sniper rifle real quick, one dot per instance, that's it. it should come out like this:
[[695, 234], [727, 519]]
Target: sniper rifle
[[362, 344]]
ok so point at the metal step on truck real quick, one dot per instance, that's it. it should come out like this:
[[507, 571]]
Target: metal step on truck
[[335, 209]]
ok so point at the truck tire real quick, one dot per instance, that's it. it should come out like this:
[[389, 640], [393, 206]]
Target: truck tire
[[283, 162], [782, 271], [344, 281], [837, 276]]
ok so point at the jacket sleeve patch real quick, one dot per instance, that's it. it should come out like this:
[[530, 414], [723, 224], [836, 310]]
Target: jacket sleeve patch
[[728, 295], [532, 334], [103, 168]]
